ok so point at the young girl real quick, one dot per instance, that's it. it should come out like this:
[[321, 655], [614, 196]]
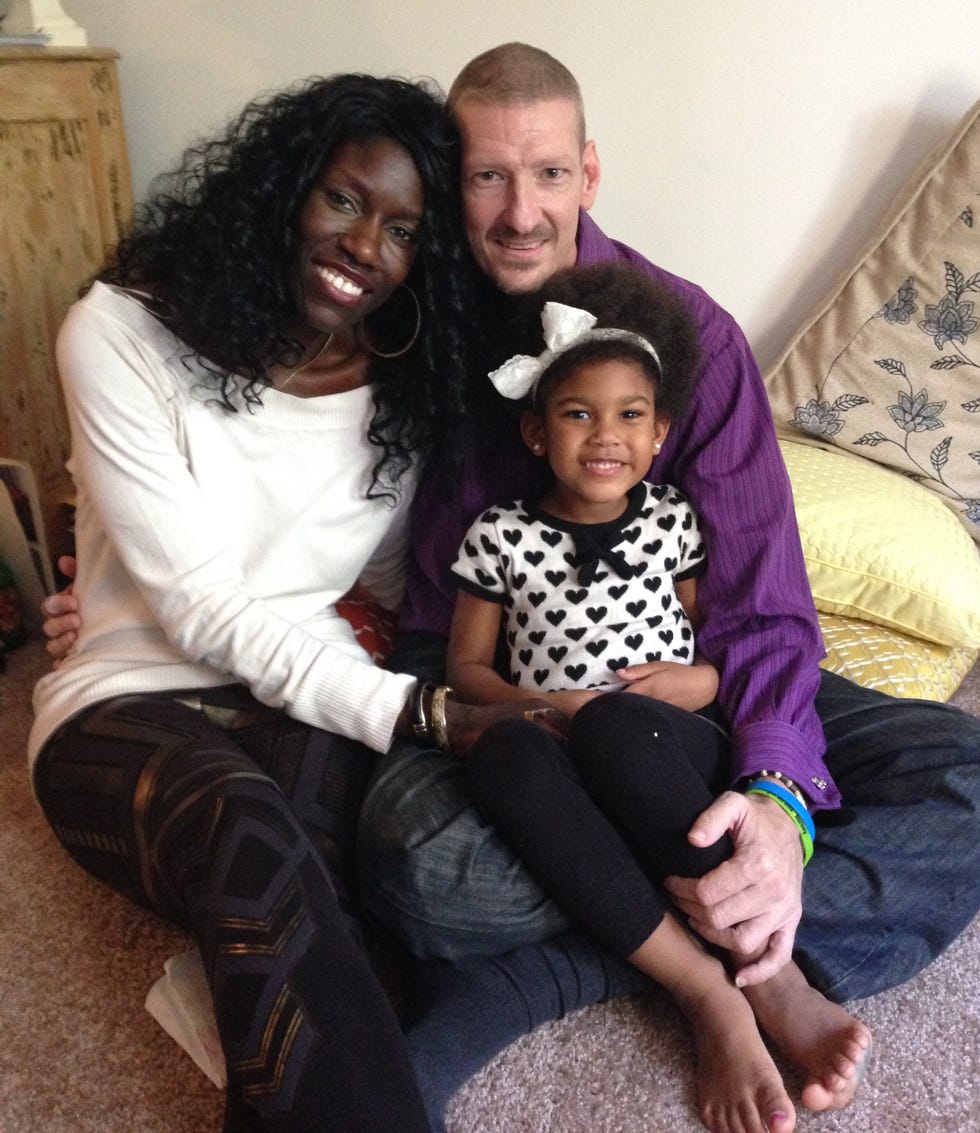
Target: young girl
[[591, 591]]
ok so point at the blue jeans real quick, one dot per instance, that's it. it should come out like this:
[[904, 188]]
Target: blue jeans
[[894, 879], [896, 875]]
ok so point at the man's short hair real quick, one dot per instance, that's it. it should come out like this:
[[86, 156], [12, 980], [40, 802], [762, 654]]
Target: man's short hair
[[514, 73]]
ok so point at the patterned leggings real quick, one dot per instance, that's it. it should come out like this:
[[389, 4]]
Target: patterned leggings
[[234, 822]]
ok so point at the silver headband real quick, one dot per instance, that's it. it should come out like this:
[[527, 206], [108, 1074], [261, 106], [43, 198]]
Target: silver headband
[[564, 327]]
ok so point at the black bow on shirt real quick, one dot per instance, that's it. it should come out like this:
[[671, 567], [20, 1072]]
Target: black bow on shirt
[[593, 545]]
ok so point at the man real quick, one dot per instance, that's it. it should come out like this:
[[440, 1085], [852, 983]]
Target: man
[[897, 870], [895, 877]]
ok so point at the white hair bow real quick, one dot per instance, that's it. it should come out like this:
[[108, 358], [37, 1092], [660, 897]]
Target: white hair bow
[[564, 327]]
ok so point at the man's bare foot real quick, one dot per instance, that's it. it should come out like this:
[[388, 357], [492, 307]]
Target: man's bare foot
[[740, 1090], [820, 1038]]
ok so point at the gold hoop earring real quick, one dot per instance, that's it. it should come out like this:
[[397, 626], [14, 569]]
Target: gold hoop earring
[[362, 331]]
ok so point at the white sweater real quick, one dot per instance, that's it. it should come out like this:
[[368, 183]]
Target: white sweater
[[211, 545]]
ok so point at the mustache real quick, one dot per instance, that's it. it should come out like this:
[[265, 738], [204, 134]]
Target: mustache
[[503, 232]]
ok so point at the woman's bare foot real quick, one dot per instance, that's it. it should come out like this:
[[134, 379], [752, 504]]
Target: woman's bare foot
[[740, 1090], [820, 1038]]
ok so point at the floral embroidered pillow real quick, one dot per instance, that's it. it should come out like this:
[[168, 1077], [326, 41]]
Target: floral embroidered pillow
[[889, 368]]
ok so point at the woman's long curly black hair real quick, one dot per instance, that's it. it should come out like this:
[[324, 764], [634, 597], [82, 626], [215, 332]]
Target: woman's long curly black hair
[[215, 243]]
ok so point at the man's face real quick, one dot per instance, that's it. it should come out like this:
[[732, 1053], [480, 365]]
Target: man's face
[[525, 176]]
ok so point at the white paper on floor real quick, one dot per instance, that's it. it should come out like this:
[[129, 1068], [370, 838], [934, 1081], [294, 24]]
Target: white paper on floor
[[180, 1001]]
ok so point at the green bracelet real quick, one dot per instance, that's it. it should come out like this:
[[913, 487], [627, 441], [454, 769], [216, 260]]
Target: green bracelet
[[806, 839]]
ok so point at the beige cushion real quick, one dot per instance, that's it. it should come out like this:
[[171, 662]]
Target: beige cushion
[[889, 367], [880, 548]]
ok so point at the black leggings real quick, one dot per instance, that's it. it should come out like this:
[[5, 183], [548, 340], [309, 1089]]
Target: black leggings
[[234, 821], [601, 820]]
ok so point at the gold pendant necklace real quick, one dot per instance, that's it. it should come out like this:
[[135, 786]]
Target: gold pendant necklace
[[300, 369]]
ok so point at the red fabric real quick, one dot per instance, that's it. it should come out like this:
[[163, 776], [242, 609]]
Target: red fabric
[[373, 625]]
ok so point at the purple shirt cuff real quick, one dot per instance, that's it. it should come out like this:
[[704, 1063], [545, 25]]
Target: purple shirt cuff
[[774, 746]]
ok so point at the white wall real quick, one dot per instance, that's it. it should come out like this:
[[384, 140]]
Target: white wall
[[750, 145]]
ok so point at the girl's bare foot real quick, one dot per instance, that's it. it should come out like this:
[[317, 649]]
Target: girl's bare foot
[[740, 1090], [820, 1038]]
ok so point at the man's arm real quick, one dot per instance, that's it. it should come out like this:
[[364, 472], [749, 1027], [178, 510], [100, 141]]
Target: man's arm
[[760, 626], [760, 630]]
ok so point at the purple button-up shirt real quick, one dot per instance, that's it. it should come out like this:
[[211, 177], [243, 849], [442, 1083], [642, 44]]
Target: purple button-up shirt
[[760, 626]]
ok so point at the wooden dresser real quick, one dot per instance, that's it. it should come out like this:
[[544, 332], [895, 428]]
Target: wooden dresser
[[65, 195]]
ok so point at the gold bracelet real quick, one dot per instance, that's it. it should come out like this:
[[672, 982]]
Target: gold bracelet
[[438, 712]]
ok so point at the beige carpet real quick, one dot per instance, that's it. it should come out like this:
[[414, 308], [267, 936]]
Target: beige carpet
[[79, 1054]]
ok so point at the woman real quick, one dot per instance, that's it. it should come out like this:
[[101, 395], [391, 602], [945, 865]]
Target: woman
[[251, 382]]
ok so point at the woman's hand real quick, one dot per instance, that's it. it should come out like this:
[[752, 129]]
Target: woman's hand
[[465, 723], [61, 618], [686, 686], [569, 701]]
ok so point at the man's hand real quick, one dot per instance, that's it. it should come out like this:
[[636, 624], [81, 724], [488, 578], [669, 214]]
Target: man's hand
[[751, 904], [62, 621]]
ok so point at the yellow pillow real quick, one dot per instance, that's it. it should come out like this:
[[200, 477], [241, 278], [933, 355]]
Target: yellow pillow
[[881, 548], [893, 662]]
